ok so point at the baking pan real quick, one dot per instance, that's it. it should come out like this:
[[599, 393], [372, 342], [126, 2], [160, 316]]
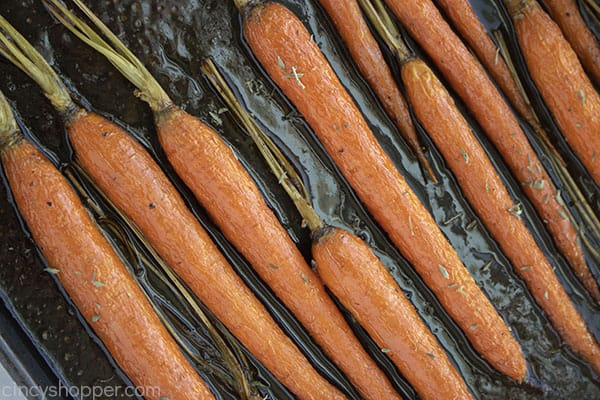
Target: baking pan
[[171, 37]]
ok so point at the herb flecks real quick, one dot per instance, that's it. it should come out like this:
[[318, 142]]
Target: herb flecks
[[444, 271], [52, 271], [296, 75], [95, 282], [465, 155], [581, 94], [516, 210]]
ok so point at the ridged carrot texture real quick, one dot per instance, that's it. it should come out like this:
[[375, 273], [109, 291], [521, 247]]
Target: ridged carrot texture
[[134, 182], [219, 181], [274, 33], [93, 275], [562, 231], [561, 80], [470, 81], [358, 279], [485, 191], [566, 14], [367, 55]]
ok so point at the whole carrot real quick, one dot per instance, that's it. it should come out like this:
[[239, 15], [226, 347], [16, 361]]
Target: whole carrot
[[359, 280], [134, 182], [563, 232], [566, 14], [365, 51], [561, 80], [274, 33], [485, 191], [471, 82], [93, 275], [219, 181]]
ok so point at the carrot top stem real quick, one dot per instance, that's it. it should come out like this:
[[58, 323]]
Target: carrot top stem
[[280, 166], [148, 89], [593, 8], [386, 28], [17, 50], [9, 131], [239, 4]]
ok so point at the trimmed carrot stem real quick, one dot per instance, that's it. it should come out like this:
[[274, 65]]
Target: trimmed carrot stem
[[93, 275], [365, 51], [560, 78], [566, 14], [226, 190], [360, 281], [273, 34], [487, 194]]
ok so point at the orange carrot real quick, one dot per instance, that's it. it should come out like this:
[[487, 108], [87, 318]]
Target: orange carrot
[[273, 34], [359, 280], [559, 76], [566, 14], [485, 191], [563, 233], [470, 81], [226, 190], [134, 182], [93, 275], [365, 51]]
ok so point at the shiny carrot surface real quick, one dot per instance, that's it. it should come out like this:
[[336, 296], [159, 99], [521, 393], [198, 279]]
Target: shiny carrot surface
[[563, 232], [361, 282], [484, 189], [310, 83], [367, 55], [471, 82], [566, 14], [134, 182], [96, 279], [560, 78]]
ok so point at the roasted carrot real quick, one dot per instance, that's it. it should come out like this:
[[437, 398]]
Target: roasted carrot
[[98, 282], [563, 232], [482, 186], [359, 280], [278, 37], [561, 80], [566, 14], [219, 181], [470, 81], [365, 51], [134, 182], [485, 191]]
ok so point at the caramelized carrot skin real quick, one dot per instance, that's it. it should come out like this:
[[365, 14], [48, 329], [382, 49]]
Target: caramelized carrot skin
[[328, 108], [566, 14], [125, 171], [367, 55], [220, 182], [565, 88], [563, 232], [470, 81], [465, 20], [484, 189], [96, 279], [359, 280]]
